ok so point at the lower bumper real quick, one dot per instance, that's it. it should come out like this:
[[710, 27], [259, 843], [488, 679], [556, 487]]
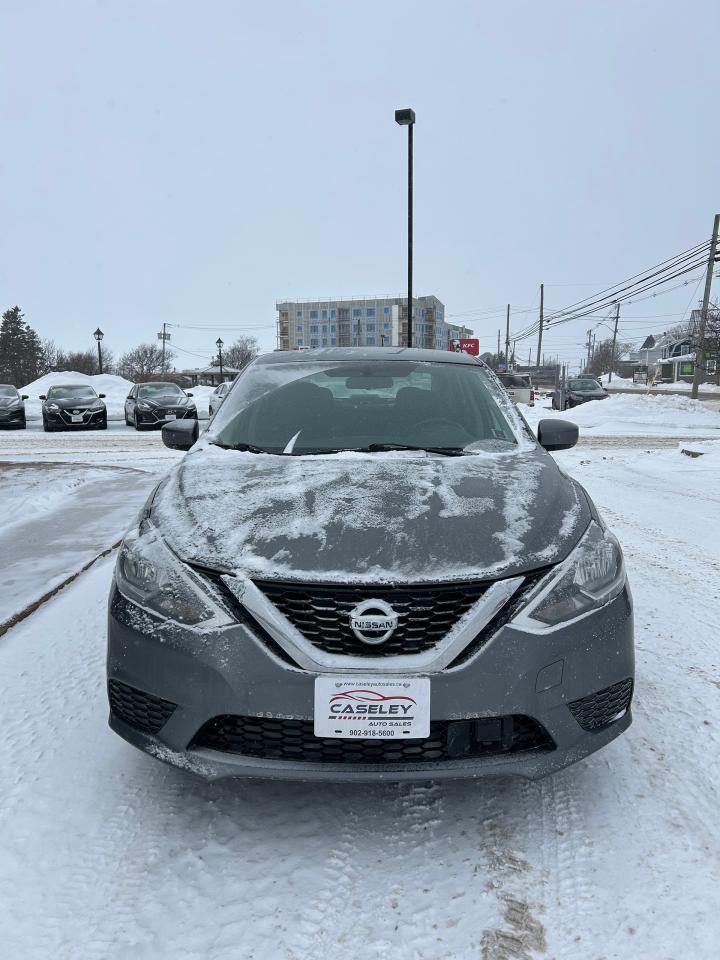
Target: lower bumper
[[234, 673]]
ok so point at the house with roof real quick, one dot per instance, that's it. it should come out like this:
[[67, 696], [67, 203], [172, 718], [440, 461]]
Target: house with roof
[[667, 357]]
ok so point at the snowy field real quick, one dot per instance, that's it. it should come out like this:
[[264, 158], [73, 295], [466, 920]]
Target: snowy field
[[108, 855]]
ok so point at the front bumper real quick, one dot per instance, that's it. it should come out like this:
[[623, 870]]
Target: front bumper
[[157, 417], [233, 672], [12, 418], [62, 419]]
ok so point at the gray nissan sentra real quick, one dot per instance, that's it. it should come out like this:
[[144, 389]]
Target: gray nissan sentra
[[367, 567]]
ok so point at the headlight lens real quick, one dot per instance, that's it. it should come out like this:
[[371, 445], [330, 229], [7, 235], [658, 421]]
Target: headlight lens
[[143, 406], [149, 574], [97, 405], [53, 406], [591, 576]]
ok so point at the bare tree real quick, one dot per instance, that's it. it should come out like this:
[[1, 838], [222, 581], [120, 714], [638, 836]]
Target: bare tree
[[603, 358], [144, 361], [240, 353]]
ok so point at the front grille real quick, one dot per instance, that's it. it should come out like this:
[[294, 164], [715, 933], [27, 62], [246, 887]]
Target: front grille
[[138, 709], [276, 739], [599, 709], [321, 612]]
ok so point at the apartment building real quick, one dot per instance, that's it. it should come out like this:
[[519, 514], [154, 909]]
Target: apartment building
[[360, 322]]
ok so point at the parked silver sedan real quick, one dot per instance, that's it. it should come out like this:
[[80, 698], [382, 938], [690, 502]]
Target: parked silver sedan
[[218, 395]]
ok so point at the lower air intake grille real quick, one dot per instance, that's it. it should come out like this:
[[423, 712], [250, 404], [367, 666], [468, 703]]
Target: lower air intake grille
[[295, 740], [601, 708], [138, 709]]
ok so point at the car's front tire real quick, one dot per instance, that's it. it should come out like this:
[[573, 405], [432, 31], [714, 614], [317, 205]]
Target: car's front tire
[[46, 426]]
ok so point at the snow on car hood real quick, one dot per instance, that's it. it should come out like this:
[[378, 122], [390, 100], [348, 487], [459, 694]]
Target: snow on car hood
[[370, 517]]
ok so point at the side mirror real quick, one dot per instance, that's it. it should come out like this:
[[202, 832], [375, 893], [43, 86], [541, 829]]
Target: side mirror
[[189, 394], [102, 396], [24, 396], [180, 434], [42, 396], [557, 434]]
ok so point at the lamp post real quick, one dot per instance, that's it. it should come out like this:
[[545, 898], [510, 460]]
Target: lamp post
[[98, 336], [406, 118], [219, 344]]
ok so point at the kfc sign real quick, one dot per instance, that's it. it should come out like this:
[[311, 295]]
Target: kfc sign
[[471, 346]]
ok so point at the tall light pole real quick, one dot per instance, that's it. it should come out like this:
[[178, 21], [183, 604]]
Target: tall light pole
[[219, 344], [406, 118], [98, 336]]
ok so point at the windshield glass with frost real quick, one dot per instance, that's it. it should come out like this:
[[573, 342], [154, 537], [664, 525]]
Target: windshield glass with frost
[[159, 390], [71, 393], [325, 407]]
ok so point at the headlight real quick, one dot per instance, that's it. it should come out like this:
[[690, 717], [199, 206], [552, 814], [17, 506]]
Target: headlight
[[97, 405], [149, 574], [591, 576], [53, 406], [144, 406]]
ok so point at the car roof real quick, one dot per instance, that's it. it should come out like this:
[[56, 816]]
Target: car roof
[[11, 385], [156, 383], [334, 354]]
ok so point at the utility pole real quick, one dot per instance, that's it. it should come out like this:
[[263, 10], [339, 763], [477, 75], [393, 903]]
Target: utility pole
[[612, 352], [163, 337], [498, 352], [542, 320], [507, 339], [589, 348], [700, 339]]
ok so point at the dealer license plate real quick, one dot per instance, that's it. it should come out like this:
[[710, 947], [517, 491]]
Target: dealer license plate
[[75, 419], [387, 708]]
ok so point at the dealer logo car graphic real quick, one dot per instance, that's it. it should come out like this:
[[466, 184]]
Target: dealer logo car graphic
[[373, 621]]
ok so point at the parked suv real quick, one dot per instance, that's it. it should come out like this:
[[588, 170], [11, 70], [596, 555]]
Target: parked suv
[[368, 568], [519, 387], [12, 407], [577, 391], [73, 406]]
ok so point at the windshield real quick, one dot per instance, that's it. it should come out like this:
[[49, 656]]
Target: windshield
[[7, 391], [584, 386], [159, 390], [71, 393], [325, 407]]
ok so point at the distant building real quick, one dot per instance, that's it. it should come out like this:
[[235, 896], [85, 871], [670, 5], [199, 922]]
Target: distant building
[[668, 357], [209, 376], [362, 322]]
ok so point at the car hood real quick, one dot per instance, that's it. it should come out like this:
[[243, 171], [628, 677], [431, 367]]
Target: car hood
[[76, 403], [370, 517], [10, 402], [166, 400]]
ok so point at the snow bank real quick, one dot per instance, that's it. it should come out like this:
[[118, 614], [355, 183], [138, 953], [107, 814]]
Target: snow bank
[[623, 415], [115, 389], [626, 383]]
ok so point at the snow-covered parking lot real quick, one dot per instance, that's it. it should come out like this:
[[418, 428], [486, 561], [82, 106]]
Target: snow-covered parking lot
[[106, 853]]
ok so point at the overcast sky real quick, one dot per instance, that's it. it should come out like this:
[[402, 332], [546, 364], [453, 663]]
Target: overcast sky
[[194, 162]]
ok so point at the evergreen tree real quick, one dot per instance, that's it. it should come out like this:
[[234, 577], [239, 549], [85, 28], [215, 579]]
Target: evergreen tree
[[20, 349]]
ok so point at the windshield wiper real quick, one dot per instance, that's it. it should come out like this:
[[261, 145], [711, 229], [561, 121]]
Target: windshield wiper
[[242, 447], [442, 451]]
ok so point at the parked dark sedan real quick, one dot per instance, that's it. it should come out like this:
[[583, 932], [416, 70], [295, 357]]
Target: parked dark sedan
[[73, 406], [368, 568], [578, 391], [153, 404], [12, 407]]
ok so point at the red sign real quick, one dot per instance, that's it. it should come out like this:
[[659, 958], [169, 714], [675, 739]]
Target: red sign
[[471, 346]]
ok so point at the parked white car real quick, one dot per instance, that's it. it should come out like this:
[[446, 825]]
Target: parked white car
[[218, 395], [519, 386]]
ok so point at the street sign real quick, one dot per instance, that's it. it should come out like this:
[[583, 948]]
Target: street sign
[[469, 345]]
